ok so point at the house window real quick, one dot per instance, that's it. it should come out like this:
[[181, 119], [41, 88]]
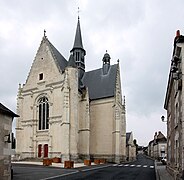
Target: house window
[[43, 113], [41, 76]]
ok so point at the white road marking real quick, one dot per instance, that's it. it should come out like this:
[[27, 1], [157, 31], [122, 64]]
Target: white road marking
[[95, 168], [133, 165], [66, 174], [115, 165]]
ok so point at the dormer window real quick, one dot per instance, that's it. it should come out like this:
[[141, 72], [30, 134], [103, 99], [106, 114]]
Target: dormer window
[[41, 76]]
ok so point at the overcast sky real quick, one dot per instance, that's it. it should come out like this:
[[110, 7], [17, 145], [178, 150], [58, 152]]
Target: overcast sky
[[138, 33]]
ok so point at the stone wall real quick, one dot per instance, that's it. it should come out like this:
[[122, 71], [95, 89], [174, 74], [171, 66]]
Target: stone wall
[[101, 127], [5, 147]]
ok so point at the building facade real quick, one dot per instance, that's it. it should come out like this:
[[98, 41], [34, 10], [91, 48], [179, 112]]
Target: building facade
[[157, 148], [130, 147], [68, 112], [150, 148], [174, 105], [6, 118]]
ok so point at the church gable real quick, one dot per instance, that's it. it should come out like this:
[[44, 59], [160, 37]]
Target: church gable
[[47, 66]]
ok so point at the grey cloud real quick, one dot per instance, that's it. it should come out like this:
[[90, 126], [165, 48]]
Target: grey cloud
[[142, 35]]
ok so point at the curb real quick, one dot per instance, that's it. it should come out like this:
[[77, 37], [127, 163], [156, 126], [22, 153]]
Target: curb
[[156, 172]]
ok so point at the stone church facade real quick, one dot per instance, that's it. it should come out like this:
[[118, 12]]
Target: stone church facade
[[70, 113]]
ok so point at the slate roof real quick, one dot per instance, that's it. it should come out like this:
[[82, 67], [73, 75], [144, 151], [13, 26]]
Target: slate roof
[[5, 110], [71, 61], [161, 137], [78, 37], [151, 142], [99, 85], [60, 60]]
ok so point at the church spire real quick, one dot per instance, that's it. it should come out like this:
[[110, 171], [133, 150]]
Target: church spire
[[78, 37], [78, 51]]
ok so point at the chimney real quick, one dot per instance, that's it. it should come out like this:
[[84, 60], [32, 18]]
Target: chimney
[[177, 33], [155, 136]]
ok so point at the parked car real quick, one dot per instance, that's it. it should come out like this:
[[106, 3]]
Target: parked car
[[164, 160]]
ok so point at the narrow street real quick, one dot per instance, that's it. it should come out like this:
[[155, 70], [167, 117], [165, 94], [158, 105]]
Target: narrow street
[[141, 169]]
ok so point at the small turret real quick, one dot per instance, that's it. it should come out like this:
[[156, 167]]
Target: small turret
[[106, 63]]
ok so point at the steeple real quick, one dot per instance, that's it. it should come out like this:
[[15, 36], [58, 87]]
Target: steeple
[[78, 51], [78, 37]]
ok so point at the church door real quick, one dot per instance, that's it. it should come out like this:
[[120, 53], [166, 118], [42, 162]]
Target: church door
[[39, 150], [45, 150]]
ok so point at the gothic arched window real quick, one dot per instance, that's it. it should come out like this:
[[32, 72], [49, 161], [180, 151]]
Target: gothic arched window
[[43, 113]]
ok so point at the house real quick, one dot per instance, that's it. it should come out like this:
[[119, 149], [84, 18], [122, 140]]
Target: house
[[150, 148], [68, 112], [174, 106], [6, 118], [130, 147], [157, 148]]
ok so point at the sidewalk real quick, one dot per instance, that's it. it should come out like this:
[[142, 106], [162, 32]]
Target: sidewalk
[[76, 165], [161, 172]]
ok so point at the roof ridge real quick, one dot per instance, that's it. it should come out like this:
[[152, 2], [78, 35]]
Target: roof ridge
[[43, 39]]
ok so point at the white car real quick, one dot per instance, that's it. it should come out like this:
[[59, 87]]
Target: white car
[[164, 160]]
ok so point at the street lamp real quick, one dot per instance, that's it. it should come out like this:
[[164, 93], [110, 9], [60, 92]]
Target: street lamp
[[162, 118]]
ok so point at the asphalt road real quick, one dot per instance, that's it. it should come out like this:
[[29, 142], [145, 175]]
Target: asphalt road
[[141, 169]]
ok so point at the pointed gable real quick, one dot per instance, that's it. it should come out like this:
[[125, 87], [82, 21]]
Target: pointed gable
[[100, 85], [48, 64]]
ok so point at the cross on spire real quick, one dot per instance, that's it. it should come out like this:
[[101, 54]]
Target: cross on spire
[[44, 33], [78, 12]]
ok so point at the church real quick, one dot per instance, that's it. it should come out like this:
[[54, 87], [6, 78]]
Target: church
[[68, 112]]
